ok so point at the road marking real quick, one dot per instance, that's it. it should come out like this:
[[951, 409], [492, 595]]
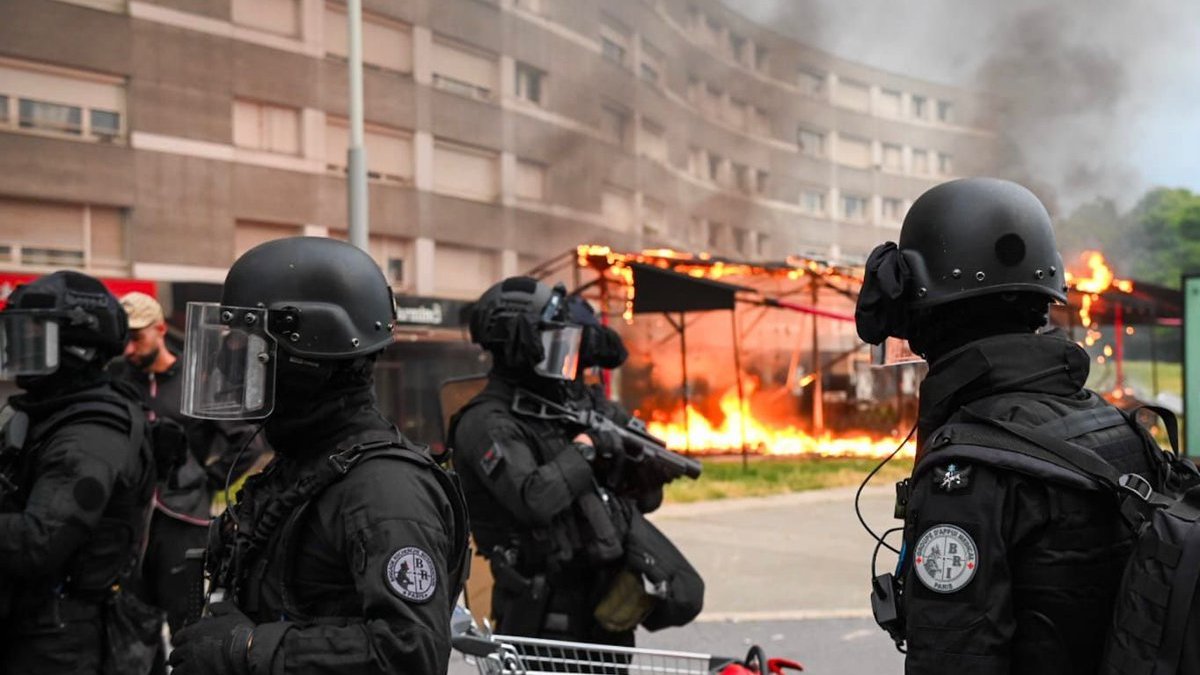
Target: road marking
[[858, 634], [787, 615]]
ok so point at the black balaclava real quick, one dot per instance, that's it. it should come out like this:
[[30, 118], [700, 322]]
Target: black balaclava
[[939, 330], [319, 403]]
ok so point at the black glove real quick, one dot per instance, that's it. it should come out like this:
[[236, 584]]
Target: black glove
[[608, 444], [215, 645]]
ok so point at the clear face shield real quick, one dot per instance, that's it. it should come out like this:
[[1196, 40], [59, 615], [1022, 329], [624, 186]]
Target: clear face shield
[[229, 363], [560, 349], [28, 344]]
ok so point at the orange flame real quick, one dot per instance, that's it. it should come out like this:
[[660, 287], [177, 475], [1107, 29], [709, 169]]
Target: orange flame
[[704, 437], [1099, 280]]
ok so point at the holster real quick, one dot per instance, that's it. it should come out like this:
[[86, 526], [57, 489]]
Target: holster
[[527, 612]]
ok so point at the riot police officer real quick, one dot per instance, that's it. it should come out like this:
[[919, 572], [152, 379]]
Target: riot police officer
[[77, 480], [1010, 564], [346, 553], [553, 535]]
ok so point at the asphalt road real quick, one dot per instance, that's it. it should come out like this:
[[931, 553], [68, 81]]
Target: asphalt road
[[789, 573]]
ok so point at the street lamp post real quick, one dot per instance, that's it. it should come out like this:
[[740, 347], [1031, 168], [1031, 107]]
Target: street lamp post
[[356, 154]]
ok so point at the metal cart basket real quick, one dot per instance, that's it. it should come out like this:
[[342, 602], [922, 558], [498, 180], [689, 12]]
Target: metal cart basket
[[533, 656]]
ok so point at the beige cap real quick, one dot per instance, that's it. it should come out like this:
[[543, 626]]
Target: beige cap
[[142, 309]]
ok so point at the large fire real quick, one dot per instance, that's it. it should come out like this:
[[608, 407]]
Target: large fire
[[761, 437]]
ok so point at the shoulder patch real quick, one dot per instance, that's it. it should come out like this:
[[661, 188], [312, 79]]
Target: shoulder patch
[[491, 459], [945, 558], [952, 478], [410, 574]]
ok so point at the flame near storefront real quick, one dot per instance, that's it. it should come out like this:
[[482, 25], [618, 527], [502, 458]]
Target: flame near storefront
[[783, 373]]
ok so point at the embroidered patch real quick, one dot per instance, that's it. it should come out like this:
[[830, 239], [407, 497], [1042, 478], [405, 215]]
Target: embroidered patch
[[411, 575], [491, 459], [951, 478], [945, 558]]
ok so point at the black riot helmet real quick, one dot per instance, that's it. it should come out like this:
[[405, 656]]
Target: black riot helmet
[[601, 346], [960, 240], [523, 323], [64, 312], [313, 298]]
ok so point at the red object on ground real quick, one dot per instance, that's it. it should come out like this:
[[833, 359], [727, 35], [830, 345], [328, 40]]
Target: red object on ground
[[118, 287], [774, 666]]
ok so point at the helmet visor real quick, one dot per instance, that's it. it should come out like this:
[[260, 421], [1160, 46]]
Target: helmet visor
[[560, 349], [229, 363], [28, 344]]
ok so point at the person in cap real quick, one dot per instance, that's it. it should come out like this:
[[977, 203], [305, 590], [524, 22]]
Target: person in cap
[[196, 459], [76, 478], [347, 553], [1009, 564]]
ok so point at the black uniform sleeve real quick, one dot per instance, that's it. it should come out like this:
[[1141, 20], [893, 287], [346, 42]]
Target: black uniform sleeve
[[958, 585], [74, 479], [396, 525], [493, 447]]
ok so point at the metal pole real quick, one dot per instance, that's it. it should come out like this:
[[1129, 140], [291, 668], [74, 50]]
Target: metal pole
[[818, 409], [1153, 329], [687, 417], [356, 154], [737, 369], [1119, 338]]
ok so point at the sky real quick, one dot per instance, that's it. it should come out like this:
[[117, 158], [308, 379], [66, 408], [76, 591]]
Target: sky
[[1106, 93]]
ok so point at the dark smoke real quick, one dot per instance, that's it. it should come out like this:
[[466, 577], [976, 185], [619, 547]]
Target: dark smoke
[[1068, 85]]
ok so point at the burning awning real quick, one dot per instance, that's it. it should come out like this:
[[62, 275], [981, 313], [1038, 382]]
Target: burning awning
[[663, 290]]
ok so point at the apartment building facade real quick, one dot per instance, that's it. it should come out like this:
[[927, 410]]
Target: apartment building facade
[[159, 139]]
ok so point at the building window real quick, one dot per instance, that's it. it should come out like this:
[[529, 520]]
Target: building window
[[716, 236], [460, 271], [695, 91], [529, 83], [713, 101], [87, 106], [461, 171], [614, 42], [761, 55], [463, 71], [654, 216], [919, 107], [760, 181], [64, 119], [387, 44], [889, 103], [652, 63], [737, 48], [531, 181], [741, 240], [698, 232], [715, 174], [58, 234], [613, 122], [274, 16], [945, 111], [713, 31], [106, 124], [760, 122], [854, 152], [854, 208], [810, 83], [945, 164], [812, 201], [260, 126], [810, 142], [616, 205], [743, 178], [893, 210], [697, 162], [736, 114], [893, 157], [389, 151], [654, 141], [920, 162], [852, 95]]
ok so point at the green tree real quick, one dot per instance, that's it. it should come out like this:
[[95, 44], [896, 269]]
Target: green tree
[[1162, 237]]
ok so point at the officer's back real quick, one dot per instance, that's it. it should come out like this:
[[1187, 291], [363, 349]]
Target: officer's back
[[1010, 565], [78, 482]]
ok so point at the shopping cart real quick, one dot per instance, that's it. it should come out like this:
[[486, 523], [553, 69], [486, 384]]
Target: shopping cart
[[512, 655]]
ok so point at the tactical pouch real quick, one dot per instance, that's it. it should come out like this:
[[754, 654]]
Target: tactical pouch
[[133, 633], [679, 588], [607, 525], [625, 604]]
